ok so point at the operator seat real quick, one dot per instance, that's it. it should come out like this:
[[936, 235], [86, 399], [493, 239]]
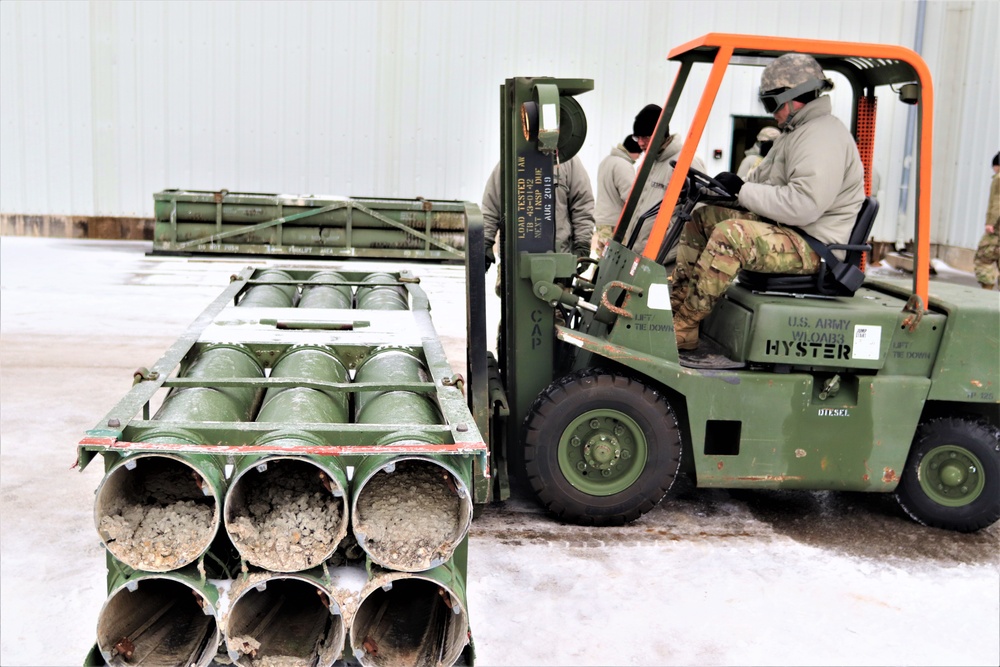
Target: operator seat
[[823, 281]]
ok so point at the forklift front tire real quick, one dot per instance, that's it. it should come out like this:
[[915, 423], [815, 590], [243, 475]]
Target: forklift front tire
[[601, 448]]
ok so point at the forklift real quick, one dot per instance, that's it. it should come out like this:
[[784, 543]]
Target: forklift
[[887, 385]]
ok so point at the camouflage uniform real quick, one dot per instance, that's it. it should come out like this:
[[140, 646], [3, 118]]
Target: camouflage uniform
[[987, 261], [717, 242], [602, 234], [811, 179]]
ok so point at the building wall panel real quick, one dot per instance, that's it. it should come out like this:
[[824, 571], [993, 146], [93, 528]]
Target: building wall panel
[[12, 144], [104, 103]]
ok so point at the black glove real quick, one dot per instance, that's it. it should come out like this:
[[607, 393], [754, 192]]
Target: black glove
[[731, 182], [490, 257]]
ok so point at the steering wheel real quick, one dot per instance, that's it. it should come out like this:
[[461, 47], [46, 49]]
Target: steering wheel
[[713, 187]]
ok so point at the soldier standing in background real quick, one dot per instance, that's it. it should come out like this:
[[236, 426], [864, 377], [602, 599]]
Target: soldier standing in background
[[615, 176], [574, 210], [659, 174], [987, 261], [756, 153]]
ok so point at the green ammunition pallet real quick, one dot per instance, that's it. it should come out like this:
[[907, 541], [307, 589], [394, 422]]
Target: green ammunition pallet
[[198, 221], [294, 479]]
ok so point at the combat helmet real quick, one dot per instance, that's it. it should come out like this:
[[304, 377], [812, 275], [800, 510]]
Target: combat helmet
[[790, 76], [768, 133]]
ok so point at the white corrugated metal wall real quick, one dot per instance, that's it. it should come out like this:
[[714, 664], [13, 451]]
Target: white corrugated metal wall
[[103, 103]]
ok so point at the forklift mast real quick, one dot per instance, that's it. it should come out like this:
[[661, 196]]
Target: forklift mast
[[541, 125]]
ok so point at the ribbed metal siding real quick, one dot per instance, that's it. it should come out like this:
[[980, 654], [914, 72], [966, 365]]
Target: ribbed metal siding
[[963, 53], [104, 103], [45, 108]]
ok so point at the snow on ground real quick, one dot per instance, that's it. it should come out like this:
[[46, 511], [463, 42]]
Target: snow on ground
[[708, 577]]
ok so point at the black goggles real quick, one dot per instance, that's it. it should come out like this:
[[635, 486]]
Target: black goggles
[[770, 99]]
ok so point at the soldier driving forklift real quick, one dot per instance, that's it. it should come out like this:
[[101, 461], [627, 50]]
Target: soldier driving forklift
[[859, 384]]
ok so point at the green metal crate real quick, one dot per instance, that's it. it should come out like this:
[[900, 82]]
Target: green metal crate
[[200, 221]]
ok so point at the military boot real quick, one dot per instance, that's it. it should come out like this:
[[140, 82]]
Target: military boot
[[678, 293], [686, 328]]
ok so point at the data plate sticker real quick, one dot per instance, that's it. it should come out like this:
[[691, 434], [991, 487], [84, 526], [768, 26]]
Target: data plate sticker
[[550, 118], [867, 341], [659, 297]]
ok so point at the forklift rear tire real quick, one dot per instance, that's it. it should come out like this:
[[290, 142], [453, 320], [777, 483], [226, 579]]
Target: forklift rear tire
[[952, 477], [601, 449]]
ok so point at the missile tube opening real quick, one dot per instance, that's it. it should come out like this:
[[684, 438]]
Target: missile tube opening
[[284, 620], [156, 512], [410, 513], [411, 621], [286, 514], [157, 621]]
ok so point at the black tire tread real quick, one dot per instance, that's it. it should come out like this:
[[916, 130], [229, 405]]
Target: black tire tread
[[551, 401], [984, 442]]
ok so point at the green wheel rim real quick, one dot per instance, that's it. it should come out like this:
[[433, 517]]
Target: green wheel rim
[[951, 476], [602, 452]]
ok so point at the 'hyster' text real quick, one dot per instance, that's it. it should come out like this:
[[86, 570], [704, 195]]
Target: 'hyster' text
[[800, 348]]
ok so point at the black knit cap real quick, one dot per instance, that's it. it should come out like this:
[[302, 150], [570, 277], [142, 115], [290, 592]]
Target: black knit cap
[[630, 145], [996, 160], [645, 121]]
